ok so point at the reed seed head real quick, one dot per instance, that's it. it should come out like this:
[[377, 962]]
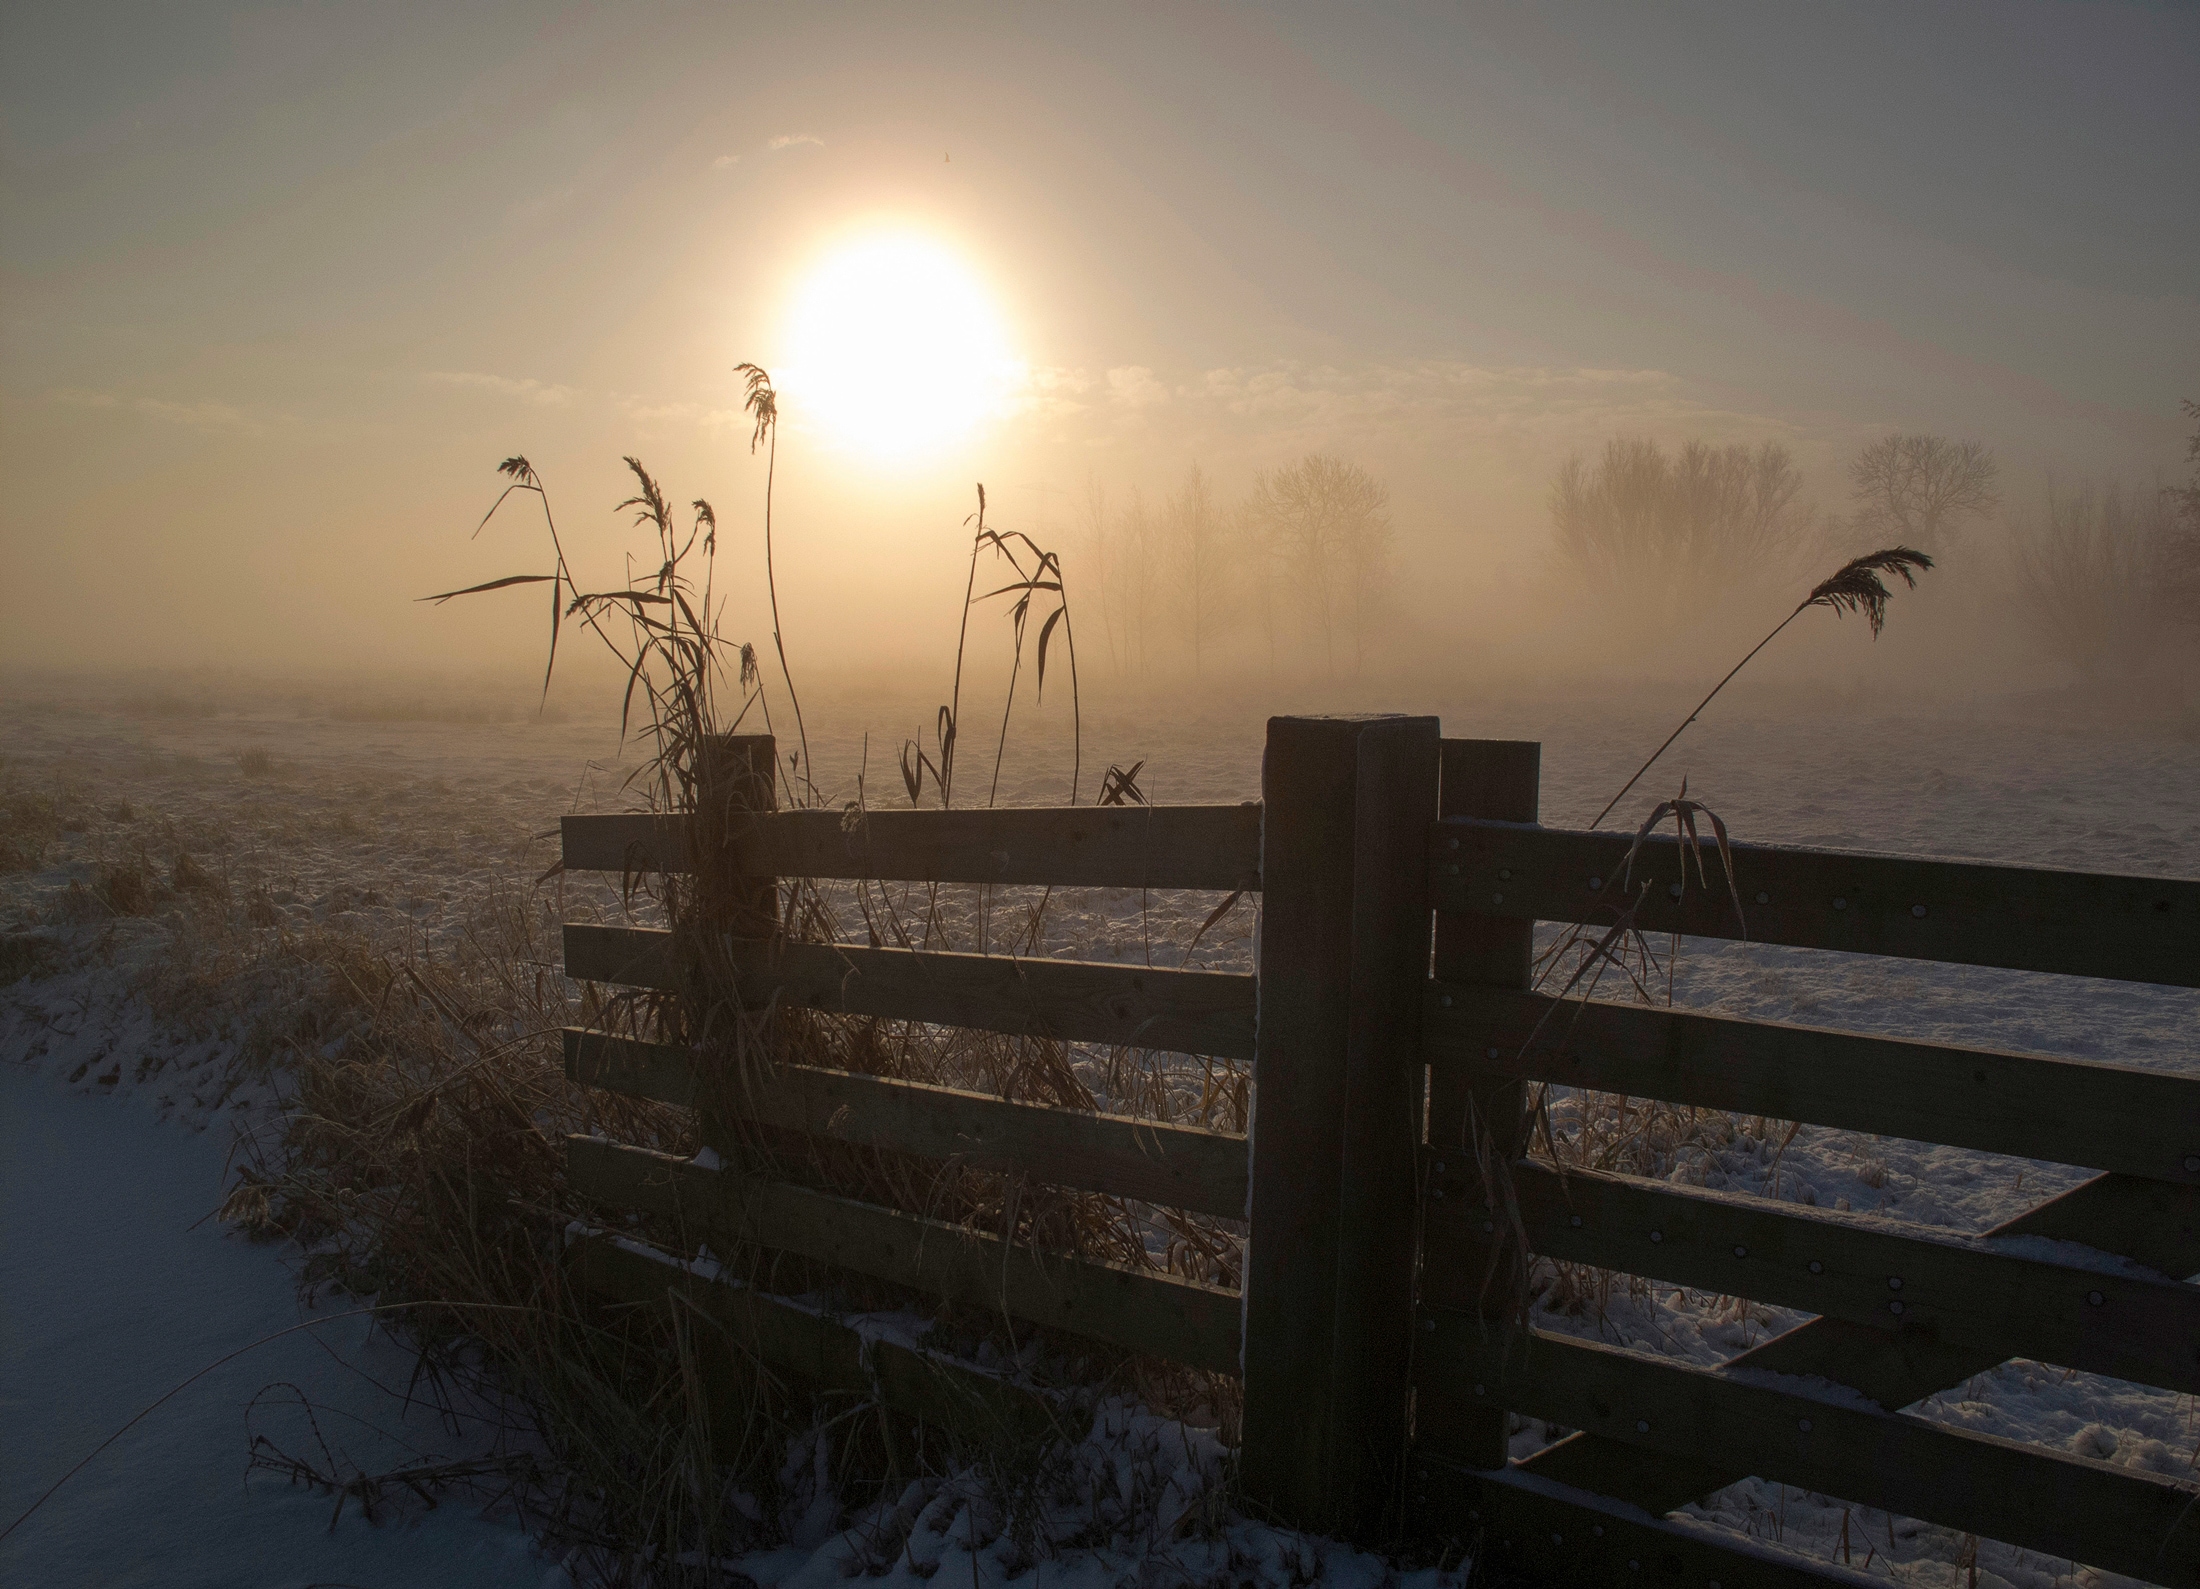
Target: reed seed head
[[1857, 585]]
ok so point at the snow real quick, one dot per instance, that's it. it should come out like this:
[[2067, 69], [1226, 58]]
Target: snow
[[114, 1287], [2074, 1253], [1117, 1510], [388, 829]]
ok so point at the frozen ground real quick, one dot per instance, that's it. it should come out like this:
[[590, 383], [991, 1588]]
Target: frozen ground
[[387, 829], [114, 1288]]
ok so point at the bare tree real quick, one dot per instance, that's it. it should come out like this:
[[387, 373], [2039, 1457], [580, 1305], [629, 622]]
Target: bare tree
[[1330, 523], [1139, 560], [1366, 541], [1920, 489], [2095, 575], [1103, 555], [2184, 505], [1259, 570], [1200, 555], [1649, 528], [1287, 503]]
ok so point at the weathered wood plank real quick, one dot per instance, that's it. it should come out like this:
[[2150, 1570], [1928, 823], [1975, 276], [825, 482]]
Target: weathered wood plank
[[2137, 929], [1136, 1309], [664, 1072], [1914, 1281], [825, 1353], [2151, 1222], [1187, 846], [1309, 774], [737, 786], [1193, 1012], [1385, 1084], [1171, 1165], [2093, 1512], [2110, 1117], [1498, 779], [1541, 1532]]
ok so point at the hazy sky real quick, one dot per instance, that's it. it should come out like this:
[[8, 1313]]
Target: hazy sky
[[282, 284]]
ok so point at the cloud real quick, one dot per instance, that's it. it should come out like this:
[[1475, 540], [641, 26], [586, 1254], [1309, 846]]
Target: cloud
[[1135, 386], [644, 412], [207, 414], [1051, 393], [525, 390], [725, 160], [787, 140]]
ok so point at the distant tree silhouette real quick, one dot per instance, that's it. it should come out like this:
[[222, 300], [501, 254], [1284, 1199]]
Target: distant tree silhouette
[[1328, 521], [2095, 577], [1199, 555], [1919, 490], [2184, 505], [1650, 530]]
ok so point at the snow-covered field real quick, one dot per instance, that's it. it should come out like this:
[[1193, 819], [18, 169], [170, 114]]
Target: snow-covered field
[[388, 830]]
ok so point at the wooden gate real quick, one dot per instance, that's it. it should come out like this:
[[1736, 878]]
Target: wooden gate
[[1394, 1035]]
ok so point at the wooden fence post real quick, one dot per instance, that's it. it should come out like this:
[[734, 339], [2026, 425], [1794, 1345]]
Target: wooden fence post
[[1346, 809], [735, 780], [1497, 780], [733, 784]]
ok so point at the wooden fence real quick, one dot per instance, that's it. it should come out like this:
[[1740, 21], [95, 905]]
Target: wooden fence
[[1394, 1032]]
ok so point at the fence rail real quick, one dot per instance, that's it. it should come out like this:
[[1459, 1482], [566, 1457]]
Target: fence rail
[[2134, 929], [1384, 1096], [1193, 1012], [1552, 1533], [1191, 846], [821, 1350], [1835, 1444], [1170, 1165], [1133, 1308], [1959, 1290], [2102, 1116]]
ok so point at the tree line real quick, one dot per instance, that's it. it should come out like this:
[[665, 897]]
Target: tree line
[[2105, 575], [1294, 576]]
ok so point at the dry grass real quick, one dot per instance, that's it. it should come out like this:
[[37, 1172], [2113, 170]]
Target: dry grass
[[424, 1165], [423, 1160], [31, 819]]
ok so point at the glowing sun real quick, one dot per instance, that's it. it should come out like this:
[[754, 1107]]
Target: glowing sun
[[895, 346]]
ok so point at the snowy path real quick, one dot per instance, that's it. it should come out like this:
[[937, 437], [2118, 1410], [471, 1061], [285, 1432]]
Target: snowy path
[[108, 1298]]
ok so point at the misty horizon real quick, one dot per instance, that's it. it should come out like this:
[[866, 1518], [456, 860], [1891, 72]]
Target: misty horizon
[[253, 388]]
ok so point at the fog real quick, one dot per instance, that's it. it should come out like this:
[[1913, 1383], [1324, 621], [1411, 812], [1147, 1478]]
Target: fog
[[284, 289], [1029, 403]]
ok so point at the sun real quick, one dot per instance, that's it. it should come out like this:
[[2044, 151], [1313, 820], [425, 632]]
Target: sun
[[895, 347]]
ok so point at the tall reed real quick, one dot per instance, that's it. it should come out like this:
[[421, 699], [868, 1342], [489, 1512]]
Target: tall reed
[[683, 677]]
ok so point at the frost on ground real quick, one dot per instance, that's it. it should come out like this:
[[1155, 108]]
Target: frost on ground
[[344, 837], [1135, 1503], [115, 1287]]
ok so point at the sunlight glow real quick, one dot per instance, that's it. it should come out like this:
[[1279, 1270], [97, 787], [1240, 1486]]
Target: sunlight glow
[[895, 347]]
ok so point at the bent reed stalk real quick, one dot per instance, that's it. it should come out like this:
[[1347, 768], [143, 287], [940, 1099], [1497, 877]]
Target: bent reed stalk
[[1855, 586], [1606, 1131]]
